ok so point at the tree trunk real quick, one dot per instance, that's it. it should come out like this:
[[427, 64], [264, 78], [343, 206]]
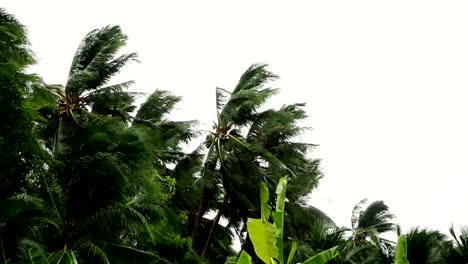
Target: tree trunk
[[213, 226], [202, 208]]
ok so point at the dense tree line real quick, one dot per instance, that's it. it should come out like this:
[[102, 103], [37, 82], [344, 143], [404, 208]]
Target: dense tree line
[[86, 176]]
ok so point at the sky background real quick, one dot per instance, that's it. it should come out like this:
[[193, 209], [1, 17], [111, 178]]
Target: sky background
[[385, 83]]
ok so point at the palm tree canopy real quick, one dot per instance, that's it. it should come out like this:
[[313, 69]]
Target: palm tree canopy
[[96, 60], [376, 216], [425, 246]]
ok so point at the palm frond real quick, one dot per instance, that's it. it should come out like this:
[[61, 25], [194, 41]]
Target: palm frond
[[273, 127], [242, 106], [94, 62], [377, 216], [16, 205], [221, 99], [356, 214], [254, 77], [14, 43], [157, 106], [111, 88], [92, 251], [32, 252]]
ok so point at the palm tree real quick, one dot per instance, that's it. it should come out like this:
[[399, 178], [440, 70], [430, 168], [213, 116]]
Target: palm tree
[[234, 112], [99, 160], [365, 244], [426, 246], [124, 171], [111, 184], [247, 147], [94, 64]]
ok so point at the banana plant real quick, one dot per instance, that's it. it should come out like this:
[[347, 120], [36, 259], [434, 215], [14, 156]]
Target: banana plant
[[401, 255], [267, 237]]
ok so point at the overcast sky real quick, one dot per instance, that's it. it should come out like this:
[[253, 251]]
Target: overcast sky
[[385, 83]]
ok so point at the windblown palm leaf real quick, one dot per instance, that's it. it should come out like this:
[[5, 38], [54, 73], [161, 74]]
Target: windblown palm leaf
[[14, 43], [376, 216]]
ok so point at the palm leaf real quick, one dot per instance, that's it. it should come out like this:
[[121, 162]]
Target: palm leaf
[[255, 76], [94, 62]]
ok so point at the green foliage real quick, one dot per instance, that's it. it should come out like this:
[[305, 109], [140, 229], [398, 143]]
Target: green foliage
[[14, 43], [267, 237], [244, 258], [264, 236], [36, 255], [458, 251], [425, 246], [323, 257], [401, 255], [86, 176]]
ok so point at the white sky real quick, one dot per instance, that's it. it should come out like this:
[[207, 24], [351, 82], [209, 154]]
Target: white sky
[[385, 82]]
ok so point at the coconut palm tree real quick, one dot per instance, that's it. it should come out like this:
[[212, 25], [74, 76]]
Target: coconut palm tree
[[365, 244], [99, 160], [234, 112], [426, 246], [87, 90], [249, 146], [111, 183]]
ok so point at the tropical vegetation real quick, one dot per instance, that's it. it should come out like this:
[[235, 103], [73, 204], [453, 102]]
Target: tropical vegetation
[[89, 176]]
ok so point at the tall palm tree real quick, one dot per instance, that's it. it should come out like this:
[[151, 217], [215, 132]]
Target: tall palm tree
[[106, 187], [234, 112], [249, 146], [95, 62], [110, 186]]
